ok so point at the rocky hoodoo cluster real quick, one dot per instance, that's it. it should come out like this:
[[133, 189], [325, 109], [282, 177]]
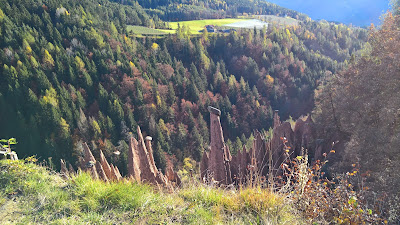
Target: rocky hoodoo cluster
[[141, 165], [264, 157]]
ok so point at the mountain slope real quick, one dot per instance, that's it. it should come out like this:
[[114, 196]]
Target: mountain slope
[[72, 74], [356, 12]]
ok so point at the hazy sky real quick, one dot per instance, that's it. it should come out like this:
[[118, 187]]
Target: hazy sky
[[357, 12]]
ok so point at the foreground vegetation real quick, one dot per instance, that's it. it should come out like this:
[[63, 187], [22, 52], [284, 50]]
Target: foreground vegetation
[[31, 193], [34, 194]]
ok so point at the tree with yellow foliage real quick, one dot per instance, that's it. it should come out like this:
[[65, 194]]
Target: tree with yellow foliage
[[47, 60], [51, 97], [80, 65], [155, 47]]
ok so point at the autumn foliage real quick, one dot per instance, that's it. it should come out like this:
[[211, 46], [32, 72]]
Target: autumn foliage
[[359, 108]]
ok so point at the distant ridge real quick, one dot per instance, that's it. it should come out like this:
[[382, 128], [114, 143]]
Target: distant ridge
[[356, 12]]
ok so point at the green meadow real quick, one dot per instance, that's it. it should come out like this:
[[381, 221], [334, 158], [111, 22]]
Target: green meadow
[[194, 25], [197, 25], [140, 30]]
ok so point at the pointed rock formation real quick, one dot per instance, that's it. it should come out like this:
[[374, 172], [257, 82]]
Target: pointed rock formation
[[88, 154], [147, 172], [106, 167], [204, 165], [118, 174], [304, 135], [93, 172], [219, 156], [141, 165], [81, 163], [239, 166], [71, 169], [277, 119], [161, 179], [100, 171], [172, 176], [63, 167], [260, 154], [89, 162], [148, 140], [282, 140], [133, 160], [115, 173], [235, 167]]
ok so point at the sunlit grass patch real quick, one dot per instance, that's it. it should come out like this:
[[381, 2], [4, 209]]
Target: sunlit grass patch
[[197, 25], [42, 196], [141, 30]]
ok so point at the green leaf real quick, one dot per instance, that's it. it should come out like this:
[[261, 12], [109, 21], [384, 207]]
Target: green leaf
[[12, 141], [4, 140]]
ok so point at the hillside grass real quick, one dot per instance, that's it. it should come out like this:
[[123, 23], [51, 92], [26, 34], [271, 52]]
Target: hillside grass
[[198, 25], [32, 194], [141, 30]]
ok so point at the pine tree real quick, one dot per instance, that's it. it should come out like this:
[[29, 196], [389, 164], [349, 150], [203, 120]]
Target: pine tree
[[47, 60], [198, 144], [159, 158], [237, 146]]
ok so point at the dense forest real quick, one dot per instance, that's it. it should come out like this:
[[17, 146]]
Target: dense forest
[[178, 10], [72, 74]]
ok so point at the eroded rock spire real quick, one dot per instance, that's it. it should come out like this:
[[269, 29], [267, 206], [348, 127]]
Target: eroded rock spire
[[219, 157]]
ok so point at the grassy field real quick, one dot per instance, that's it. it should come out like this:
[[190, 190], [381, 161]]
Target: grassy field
[[140, 30], [31, 194], [197, 25]]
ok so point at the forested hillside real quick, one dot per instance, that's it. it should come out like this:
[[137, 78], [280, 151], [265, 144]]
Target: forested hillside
[[71, 73], [177, 10]]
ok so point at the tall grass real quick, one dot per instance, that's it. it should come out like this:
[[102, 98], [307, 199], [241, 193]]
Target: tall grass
[[40, 196], [32, 194]]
